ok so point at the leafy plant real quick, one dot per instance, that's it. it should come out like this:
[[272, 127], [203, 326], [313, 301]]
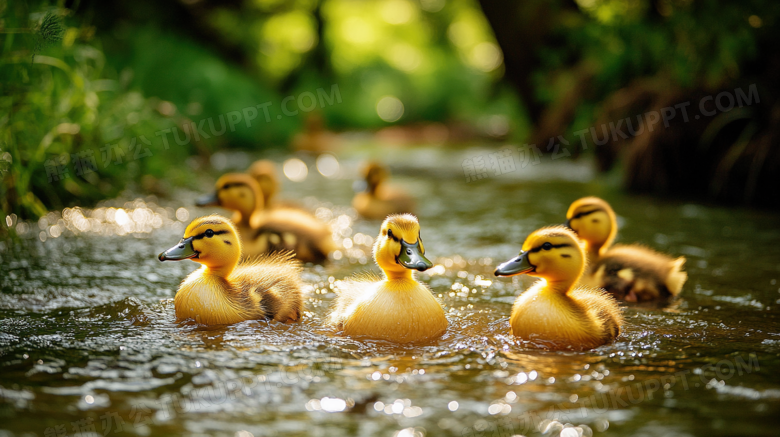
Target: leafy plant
[[50, 32]]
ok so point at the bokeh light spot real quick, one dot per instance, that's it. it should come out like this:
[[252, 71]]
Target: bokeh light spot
[[295, 170], [328, 165], [397, 11], [390, 108]]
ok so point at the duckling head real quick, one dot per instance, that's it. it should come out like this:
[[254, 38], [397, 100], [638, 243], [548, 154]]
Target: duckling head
[[399, 248], [552, 253], [374, 174], [264, 172], [594, 222], [212, 241], [237, 192]]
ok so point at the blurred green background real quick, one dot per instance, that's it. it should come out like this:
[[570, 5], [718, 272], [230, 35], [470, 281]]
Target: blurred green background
[[98, 96]]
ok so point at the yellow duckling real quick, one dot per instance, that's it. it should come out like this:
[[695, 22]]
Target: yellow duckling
[[264, 172], [554, 313], [380, 199], [269, 230], [223, 291], [633, 273], [396, 308]]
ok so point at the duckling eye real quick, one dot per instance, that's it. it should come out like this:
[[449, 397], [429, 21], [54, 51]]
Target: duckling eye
[[547, 246], [209, 233], [390, 234]]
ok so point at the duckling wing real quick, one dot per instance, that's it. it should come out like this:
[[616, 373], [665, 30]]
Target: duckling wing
[[350, 292], [273, 282], [293, 229], [601, 308], [637, 273]]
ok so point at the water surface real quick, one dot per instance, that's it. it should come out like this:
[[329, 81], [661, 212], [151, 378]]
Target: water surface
[[88, 340]]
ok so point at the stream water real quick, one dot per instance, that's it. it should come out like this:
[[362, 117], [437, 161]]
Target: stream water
[[89, 344]]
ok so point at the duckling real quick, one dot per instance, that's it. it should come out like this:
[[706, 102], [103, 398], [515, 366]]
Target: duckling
[[632, 273], [380, 200], [315, 138], [269, 230], [241, 194], [555, 313], [264, 172], [397, 307], [224, 292]]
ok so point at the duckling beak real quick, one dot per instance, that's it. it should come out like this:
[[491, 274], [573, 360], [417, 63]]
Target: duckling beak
[[360, 186], [568, 224], [183, 250], [515, 266], [412, 258], [208, 200]]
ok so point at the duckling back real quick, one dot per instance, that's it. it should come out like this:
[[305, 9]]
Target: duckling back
[[602, 308], [274, 278], [268, 287], [637, 273], [294, 230], [385, 201]]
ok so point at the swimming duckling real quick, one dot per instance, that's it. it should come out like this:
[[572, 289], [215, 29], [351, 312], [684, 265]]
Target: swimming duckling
[[633, 273], [554, 313], [224, 292], [269, 230], [264, 172], [397, 307], [379, 199]]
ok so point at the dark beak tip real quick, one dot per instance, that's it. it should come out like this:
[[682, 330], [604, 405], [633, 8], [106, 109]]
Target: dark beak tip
[[207, 200], [161, 256]]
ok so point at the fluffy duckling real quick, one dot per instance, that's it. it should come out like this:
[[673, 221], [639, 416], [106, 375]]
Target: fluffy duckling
[[396, 308], [633, 273], [554, 313], [269, 230], [379, 199], [224, 292], [264, 172]]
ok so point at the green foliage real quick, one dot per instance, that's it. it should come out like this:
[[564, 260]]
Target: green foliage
[[200, 85], [78, 126], [67, 130], [690, 44], [50, 32], [439, 58]]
